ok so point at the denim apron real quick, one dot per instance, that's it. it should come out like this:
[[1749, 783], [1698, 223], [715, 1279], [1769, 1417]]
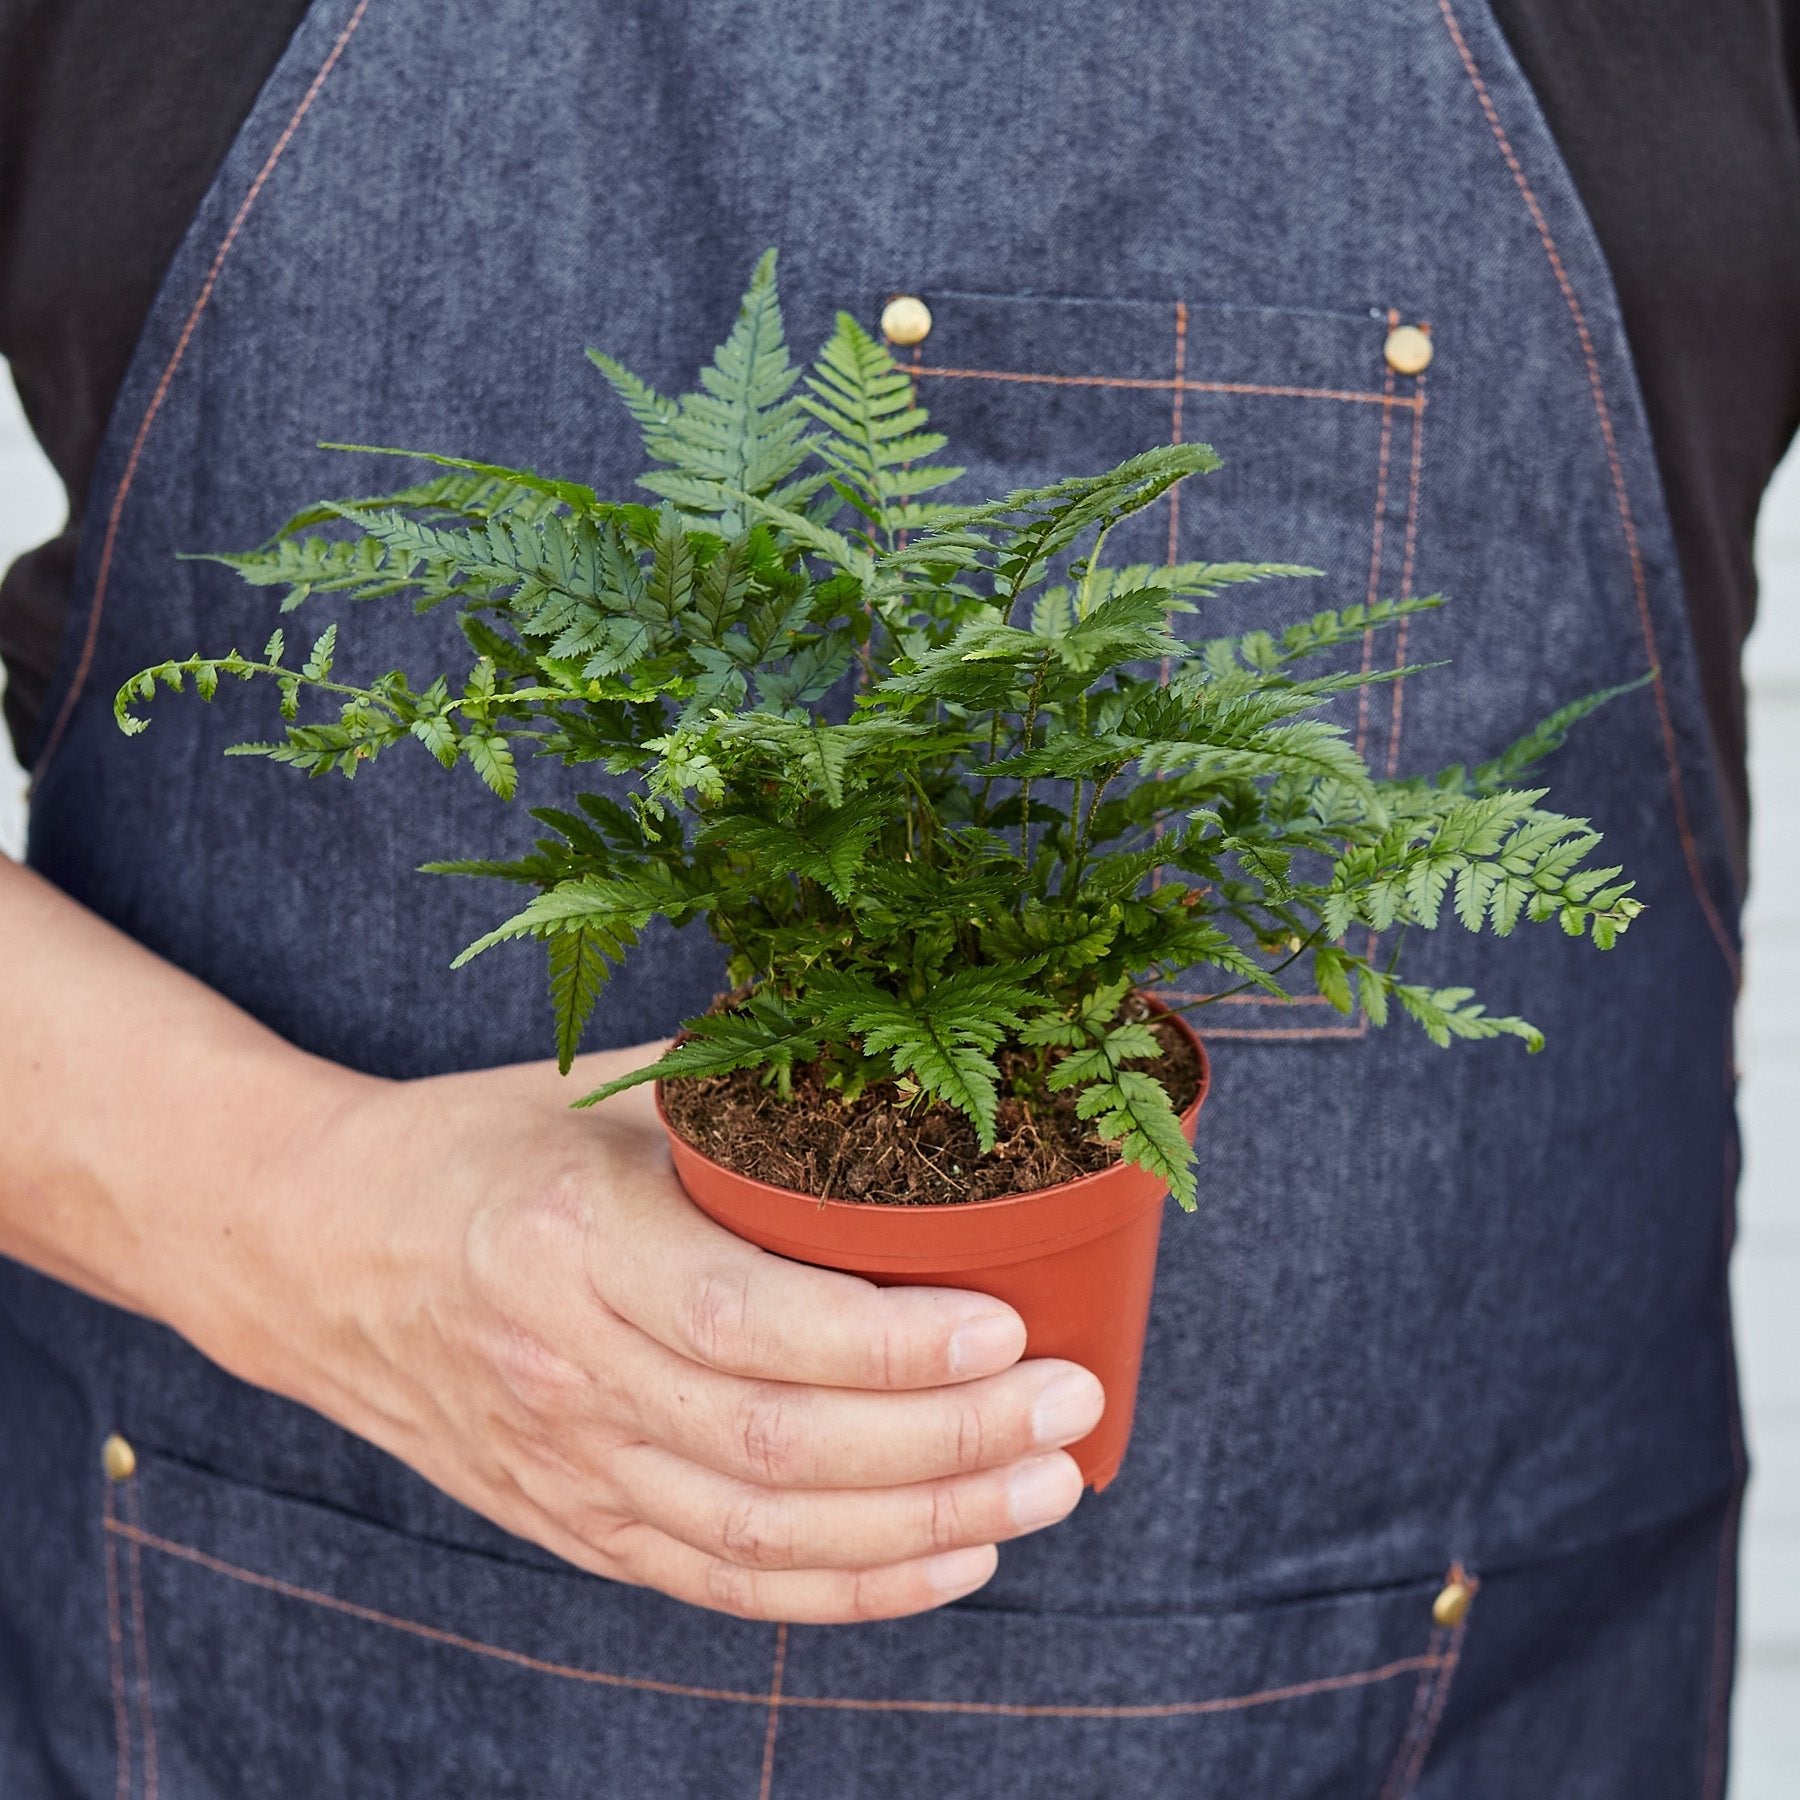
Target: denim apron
[[1443, 1320]]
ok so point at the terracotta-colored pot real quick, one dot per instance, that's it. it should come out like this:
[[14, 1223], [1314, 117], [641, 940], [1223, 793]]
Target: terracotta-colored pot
[[1076, 1260]]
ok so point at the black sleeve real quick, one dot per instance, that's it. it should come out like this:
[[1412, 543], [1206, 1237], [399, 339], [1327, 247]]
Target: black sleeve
[[114, 115]]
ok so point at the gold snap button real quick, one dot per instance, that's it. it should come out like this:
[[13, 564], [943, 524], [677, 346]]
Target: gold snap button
[[118, 1458], [1451, 1606], [906, 319], [1408, 350]]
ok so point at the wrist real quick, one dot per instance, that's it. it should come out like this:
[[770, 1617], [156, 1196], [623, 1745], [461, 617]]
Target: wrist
[[242, 1260]]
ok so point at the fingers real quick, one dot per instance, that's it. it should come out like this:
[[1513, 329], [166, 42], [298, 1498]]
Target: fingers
[[782, 1434], [765, 1528], [721, 1302]]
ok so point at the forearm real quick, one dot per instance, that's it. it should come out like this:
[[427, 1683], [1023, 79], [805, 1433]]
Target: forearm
[[139, 1110]]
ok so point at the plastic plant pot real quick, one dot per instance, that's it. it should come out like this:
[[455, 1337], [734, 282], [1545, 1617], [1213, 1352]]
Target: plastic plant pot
[[1076, 1261]]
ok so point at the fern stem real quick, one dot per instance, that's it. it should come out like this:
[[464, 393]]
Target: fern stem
[[1027, 736], [1085, 593], [295, 675], [987, 781], [1243, 987], [1084, 841]]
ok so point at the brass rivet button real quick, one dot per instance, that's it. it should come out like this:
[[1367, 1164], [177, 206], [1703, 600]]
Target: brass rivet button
[[906, 319], [1451, 1606], [1408, 350], [118, 1458]]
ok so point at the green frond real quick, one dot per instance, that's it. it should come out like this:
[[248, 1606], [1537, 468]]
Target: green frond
[[578, 970], [516, 487], [653, 413], [492, 758], [611, 913], [1015, 539], [943, 1040], [763, 1033], [1445, 1014], [829, 849], [1133, 1110], [875, 437], [744, 431]]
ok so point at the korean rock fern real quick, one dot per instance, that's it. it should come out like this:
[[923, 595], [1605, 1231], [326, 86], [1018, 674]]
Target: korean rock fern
[[943, 780]]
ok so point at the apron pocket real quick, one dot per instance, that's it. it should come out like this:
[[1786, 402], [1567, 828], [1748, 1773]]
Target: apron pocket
[[1323, 451], [266, 1646]]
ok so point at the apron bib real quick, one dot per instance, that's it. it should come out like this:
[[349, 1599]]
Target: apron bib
[[1437, 1311]]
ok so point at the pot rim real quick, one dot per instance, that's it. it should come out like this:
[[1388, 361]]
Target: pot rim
[[1077, 1186]]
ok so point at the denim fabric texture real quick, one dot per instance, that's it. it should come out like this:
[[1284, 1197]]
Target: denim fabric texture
[[1436, 1310]]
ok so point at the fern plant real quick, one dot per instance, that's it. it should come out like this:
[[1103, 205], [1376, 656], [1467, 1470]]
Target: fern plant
[[941, 779]]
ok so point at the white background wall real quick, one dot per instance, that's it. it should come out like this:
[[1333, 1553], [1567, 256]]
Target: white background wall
[[31, 509], [1766, 1276], [1768, 1261]]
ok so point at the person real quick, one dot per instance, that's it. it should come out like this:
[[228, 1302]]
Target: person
[[338, 1358]]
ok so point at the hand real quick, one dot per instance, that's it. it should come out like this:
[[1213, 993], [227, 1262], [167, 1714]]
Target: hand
[[520, 1302]]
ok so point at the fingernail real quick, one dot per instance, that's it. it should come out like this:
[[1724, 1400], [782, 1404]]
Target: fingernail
[[990, 1341], [960, 1571], [1067, 1409], [1039, 1494]]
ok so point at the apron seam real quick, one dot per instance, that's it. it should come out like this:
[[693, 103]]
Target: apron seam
[[1175, 437], [1428, 1715], [1408, 557], [115, 1652], [1376, 537], [141, 1645], [1690, 848], [1421, 1701], [767, 1786], [772, 1697]]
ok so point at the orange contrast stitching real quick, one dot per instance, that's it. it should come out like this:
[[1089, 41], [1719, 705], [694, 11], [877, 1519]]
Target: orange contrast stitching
[[1175, 422], [1621, 494], [769, 1698], [1414, 1720], [141, 1640], [1270, 1000], [431, 1633], [1294, 1034], [1178, 383], [768, 1761], [1406, 1772], [912, 388], [1375, 543], [102, 576], [1406, 574], [115, 1651], [1179, 1709], [1441, 1699]]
